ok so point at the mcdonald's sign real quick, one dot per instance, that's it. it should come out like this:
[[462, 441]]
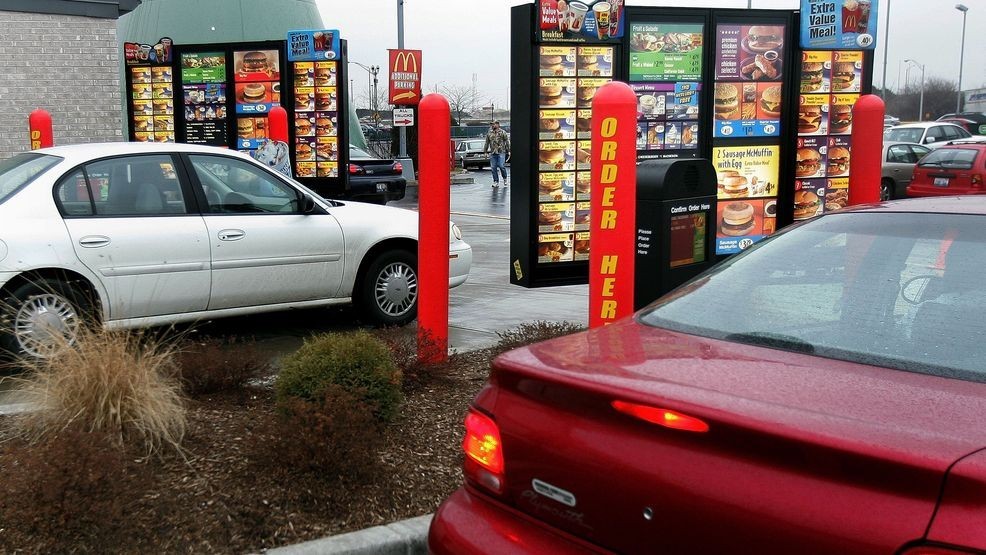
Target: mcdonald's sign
[[405, 77]]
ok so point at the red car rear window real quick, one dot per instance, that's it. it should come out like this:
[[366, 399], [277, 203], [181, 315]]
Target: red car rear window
[[950, 158]]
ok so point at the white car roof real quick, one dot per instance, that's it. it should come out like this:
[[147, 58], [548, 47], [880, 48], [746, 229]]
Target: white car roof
[[87, 151], [922, 125]]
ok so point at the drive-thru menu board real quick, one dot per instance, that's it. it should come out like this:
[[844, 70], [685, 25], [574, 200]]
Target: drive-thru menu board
[[316, 124], [748, 98], [257, 80], [568, 77], [665, 74], [151, 92], [203, 83], [830, 83]]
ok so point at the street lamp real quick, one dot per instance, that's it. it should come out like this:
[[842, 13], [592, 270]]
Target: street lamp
[[921, 100], [371, 87], [958, 97]]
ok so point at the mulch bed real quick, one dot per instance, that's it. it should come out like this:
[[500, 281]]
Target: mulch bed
[[231, 493]]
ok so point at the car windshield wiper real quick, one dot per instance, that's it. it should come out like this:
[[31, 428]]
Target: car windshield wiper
[[928, 164], [774, 340]]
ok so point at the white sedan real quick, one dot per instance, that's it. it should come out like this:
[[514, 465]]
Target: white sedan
[[137, 234]]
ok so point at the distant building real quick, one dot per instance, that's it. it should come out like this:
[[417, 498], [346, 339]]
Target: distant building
[[975, 100]]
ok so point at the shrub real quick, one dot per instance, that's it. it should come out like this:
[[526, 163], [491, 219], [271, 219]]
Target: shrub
[[212, 365], [528, 333], [337, 434], [404, 352], [110, 381], [71, 491], [355, 361]]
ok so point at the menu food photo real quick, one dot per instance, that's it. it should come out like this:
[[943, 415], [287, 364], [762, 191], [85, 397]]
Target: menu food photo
[[747, 178], [666, 51], [581, 21], [316, 124], [748, 88], [258, 89], [203, 78]]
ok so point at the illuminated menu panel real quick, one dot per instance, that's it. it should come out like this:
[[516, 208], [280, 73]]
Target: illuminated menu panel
[[830, 83], [568, 78], [316, 123], [257, 78], [152, 98], [203, 79]]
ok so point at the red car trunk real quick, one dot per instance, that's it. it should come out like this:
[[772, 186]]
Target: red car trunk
[[962, 176], [792, 441]]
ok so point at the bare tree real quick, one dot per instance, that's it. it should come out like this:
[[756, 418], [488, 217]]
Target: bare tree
[[939, 99], [460, 98], [365, 99]]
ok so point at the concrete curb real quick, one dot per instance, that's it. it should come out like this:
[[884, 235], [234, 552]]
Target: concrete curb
[[406, 537], [462, 179]]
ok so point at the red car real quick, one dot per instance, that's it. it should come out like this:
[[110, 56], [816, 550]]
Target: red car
[[956, 168], [824, 392]]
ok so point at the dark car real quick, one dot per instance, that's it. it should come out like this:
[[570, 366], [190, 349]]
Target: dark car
[[470, 154], [374, 179], [823, 392]]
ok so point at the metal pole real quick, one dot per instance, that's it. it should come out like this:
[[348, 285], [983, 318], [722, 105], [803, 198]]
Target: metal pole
[[921, 98], [886, 47], [402, 131], [958, 96]]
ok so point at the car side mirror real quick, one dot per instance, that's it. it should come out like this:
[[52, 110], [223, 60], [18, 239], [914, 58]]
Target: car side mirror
[[307, 205], [929, 140]]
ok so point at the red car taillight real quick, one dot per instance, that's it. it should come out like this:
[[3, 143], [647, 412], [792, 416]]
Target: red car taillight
[[937, 550], [662, 417], [977, 180], [484, 452], [398, 167], [354, 169]]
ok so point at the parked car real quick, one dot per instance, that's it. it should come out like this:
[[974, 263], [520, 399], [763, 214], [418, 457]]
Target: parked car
[[470, 154], [972, 125], [899, 160], [373, 179], [978, 117], [375, 132], [141, 234], [823, 392], [890, 121], [957, 168], [932, 134]]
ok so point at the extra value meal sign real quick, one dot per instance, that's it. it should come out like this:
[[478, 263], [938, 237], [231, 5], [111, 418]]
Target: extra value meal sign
[[405, 77]]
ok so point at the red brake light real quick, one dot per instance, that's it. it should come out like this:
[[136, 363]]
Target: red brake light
[[398, 167], [353, 168], [662, 417], [484, 452], [977, 180]]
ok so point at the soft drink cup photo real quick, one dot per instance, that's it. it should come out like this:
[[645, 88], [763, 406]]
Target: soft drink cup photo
[[601, 12]]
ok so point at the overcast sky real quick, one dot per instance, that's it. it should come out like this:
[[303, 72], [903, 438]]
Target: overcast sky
[[461, 38]]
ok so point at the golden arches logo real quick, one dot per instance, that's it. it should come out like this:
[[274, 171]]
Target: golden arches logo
[[408, 59]]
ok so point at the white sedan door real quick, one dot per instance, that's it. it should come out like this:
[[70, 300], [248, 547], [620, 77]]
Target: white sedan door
[[137, 234], [265, 250]]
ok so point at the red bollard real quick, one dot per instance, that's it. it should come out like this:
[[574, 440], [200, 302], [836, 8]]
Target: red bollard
[[278, 122], [613, 203], [434, 182], [39, 124], [865, 166]]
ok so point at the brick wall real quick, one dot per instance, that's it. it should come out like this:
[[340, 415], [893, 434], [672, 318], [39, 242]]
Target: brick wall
[[68, 65]]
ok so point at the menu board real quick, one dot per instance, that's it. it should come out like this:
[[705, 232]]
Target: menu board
[[257, 78], [830, 83], [666, 51], [665, 62], [568, 77], [747, 178], [152, 93], [585, 21], [316, 123], [844, 24], [748, 74], [203, 82]]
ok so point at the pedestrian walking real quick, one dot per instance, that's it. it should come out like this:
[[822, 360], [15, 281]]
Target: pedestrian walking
[[498, 146]]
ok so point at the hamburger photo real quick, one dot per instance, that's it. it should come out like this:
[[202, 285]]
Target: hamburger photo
[[843, 76], [303, 126], [585, 96], [550, 125], [255, 62], [805, 204], [254, 93], [737, 219], [324, 126], [304, 151], [811, 76], [809, 119], [550, 94], [727, 101], [303, 102], [770, 101], [762, 38], [840, 119], [302, 78], [809, 162], [244, 128], [323, 101], [552, 65], [323, 77], [733, 184], [555, 158], [838, 161]]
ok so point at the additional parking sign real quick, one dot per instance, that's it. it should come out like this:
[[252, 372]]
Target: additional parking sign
[[403, 117]]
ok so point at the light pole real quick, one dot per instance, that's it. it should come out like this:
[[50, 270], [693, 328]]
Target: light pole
[[958, 97], [401, 131], [886, 47], [921, 98]]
